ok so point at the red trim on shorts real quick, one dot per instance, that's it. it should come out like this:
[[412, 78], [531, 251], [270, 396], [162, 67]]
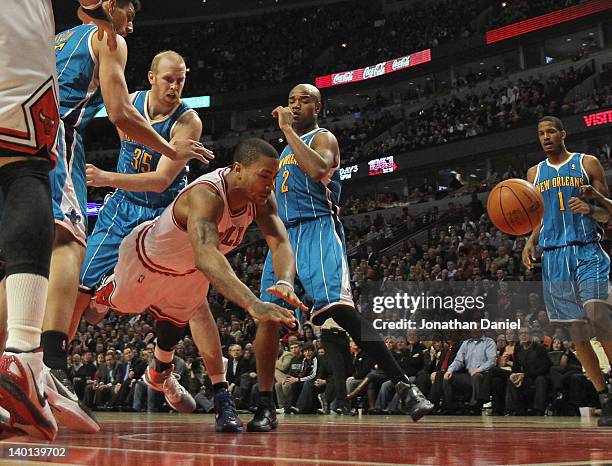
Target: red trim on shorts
[[148, 263], [159, 315]]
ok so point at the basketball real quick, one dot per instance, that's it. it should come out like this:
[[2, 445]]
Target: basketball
[[515, 207]]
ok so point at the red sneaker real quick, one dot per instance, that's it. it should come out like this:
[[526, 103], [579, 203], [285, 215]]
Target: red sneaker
[[22, 396], [166, 382]]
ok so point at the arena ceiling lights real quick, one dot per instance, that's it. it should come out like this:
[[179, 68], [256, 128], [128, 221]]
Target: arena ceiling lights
[[386, 67], [545, 21], [202, 101]]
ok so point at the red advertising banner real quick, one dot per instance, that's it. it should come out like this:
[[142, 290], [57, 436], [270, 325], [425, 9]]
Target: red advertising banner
[[547, 20], [374, 71], [598, 119]]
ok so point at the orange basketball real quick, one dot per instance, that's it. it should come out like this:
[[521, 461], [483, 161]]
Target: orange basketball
[[515, 207]]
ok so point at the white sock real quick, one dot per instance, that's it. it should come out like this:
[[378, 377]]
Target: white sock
[[26, 297]]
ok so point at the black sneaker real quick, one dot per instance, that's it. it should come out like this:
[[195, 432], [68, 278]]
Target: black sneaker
[[412, 401], [605, 419], [226, 418], [264, 420]]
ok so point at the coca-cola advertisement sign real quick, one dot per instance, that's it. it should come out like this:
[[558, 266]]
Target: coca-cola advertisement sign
[[341, 78], [374, 71]]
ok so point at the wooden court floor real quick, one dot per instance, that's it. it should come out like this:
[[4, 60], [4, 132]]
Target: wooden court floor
[[186, 440]]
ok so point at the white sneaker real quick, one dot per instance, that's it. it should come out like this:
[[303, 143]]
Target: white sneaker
[[166, 382], [66, 406], [21, 383]]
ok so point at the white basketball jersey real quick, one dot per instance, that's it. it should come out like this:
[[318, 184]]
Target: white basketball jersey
[[164, 246], [28, 88]]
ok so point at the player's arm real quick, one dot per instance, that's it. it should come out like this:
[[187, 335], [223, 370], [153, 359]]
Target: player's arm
[[122, 113], [188, 127], [530, 246], [597, 177], [283, 259], [316, 160], [203, 213], [93, 11]]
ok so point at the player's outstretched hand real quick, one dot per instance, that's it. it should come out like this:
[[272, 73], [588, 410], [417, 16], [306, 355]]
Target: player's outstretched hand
[[284, 117], [271, 312], [187, 149], [288, 295], [578, 206], [100, 17], [95, 177], [529, 255]]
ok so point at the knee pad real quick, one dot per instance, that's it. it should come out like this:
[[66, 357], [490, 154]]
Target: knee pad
[[26, 230], [167, 334]]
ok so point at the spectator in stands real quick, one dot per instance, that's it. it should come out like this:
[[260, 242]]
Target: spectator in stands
[[235, 368], [282, 387], [470, 373], [129, 372], [105, 380], [297, 383], [529, 382]]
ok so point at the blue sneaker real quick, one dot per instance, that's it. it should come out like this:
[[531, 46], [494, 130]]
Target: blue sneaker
[[226, 417]]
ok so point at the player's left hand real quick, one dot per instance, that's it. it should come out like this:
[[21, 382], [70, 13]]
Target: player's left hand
[[100, 17], [288, 295], [578, 206], [95, 177], [284, 116]]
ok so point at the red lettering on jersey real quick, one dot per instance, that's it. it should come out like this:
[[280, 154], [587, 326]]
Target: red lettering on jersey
[[226, 237]]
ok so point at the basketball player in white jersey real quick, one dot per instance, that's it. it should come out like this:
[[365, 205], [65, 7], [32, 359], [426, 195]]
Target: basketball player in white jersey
[[166, 265], [29, 120]]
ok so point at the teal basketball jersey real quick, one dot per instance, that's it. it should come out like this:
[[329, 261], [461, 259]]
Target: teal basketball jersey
[[560, 226]]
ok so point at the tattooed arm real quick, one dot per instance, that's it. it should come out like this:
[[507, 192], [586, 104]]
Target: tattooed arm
[[204, 209]]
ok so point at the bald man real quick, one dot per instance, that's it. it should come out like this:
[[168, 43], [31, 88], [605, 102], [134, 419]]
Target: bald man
[[308, 193]]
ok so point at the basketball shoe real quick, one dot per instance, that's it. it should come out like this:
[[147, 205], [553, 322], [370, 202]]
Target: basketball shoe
[[264, 420], [412, 401], [66, 406], [6, 430], [21, 383], [166, 382], [101, 301], [226, 417]]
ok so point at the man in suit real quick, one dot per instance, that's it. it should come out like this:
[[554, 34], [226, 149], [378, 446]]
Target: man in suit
[[131, 370], [99, 393], [236, 366]]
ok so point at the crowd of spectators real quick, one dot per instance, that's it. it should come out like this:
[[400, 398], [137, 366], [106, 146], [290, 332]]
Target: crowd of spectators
[[364, 37], [514, 11], [498, 108], [529, 372]]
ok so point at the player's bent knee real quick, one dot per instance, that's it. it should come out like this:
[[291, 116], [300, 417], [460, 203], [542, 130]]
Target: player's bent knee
[[26, 239], [168, 334]]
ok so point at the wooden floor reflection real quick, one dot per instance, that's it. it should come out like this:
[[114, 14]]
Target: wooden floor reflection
[[185, 440]]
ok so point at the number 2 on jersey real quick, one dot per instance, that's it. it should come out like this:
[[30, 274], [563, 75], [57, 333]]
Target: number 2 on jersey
[[284, 187], [561, 204], [141, 161]]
